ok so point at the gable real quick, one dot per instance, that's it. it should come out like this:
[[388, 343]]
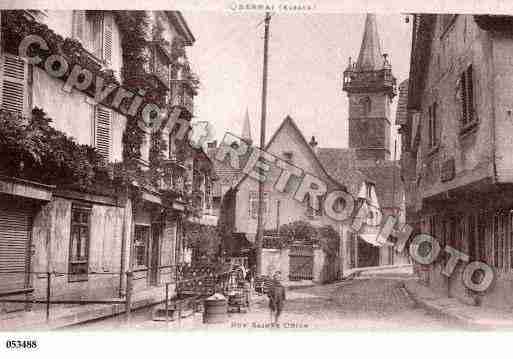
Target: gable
[[288, 138]]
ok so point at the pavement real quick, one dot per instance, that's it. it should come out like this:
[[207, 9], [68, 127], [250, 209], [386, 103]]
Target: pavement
[[469, 316], [373, 298], [63, 316], [396, 271], [368, 304], [462, 314]]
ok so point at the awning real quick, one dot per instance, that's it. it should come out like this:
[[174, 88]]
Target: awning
[[370, 235], [370, 238]]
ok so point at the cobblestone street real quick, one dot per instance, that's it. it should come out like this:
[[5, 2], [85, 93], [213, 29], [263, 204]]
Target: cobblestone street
[[365, 304]]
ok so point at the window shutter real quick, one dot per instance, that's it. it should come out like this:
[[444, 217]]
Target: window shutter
[[79, 25], [102, 131], [14, 75], [107, 38]]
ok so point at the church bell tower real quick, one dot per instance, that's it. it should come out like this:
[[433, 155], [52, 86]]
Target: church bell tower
[[370, 87]]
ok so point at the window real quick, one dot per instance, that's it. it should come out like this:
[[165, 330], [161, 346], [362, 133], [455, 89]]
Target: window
[[208, 192], [79, 242], [14, 83], [101, 28], [471, 237], [102, 123], [481, 237], [467, 97], [159, 65], [141, 242], [432, 126], [495, 240], [172, 145], [501, 234], [310, 211], [253, 203], [503, 229], [460, 238], [432, 226], [79, 25], [510, 238], [353, 242]]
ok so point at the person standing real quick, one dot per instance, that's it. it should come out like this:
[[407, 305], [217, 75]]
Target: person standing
[[276, 294]]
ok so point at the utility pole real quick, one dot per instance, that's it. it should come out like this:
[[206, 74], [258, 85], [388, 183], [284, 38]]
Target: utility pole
[[260, 229], [393, 178]]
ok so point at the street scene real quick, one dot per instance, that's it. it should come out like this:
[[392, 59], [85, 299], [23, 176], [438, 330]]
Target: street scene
[[372, 302], [278, 169]]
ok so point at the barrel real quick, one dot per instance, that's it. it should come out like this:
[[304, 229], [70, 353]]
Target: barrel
[[215, 311]]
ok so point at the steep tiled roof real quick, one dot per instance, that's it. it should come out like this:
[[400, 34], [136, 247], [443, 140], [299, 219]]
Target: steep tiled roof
[[227, 175], [382, 175], [340, 164], [289, 122]]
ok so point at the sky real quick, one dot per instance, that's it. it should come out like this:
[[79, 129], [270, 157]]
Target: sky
[[307, 55]]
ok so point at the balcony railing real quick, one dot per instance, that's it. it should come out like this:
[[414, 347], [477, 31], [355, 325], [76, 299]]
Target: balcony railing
[[181, 96], [173, 179], [355, 80]]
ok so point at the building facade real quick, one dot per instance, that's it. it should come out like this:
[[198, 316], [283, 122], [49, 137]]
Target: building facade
[[457, 149], [86, 238], [281, 207]]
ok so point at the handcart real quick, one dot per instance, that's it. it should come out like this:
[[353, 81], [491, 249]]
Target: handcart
[[239, 294]]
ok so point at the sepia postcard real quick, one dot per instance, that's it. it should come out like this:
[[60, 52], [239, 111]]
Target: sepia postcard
[[246, 167]]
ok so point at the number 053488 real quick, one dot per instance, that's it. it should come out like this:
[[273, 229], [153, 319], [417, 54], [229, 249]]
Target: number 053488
[[20, 344]]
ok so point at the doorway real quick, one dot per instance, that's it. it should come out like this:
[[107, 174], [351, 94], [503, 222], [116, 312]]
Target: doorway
[[155, 254], [368, 255]]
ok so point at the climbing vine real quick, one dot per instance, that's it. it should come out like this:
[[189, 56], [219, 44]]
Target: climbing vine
[[73, 163], [303, 233], [34, 150]]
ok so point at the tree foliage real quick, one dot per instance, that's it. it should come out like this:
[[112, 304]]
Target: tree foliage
[[304, 233]]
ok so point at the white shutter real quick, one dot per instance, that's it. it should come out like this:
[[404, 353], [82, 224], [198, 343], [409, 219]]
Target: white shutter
[[103, 131], [13, 91], [79, 25], [107, 38]]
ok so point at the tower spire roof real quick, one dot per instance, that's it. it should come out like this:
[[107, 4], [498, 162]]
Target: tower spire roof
[[246, 128], [370, 57]]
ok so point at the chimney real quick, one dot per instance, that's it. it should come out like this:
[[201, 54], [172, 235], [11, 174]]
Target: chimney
[[313, 143], [212, 144]]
